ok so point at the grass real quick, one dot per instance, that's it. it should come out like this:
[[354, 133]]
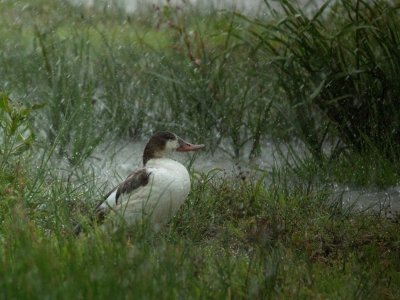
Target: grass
[[338, 70], [75, 78], [263, 239]]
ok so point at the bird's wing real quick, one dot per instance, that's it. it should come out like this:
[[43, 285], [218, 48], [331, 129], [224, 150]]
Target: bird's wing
[[134, 181]]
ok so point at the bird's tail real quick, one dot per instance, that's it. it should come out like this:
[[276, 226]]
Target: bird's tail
[[98, 217], [78, 229]]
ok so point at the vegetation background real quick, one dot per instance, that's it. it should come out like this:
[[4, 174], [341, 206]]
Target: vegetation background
[[75, 79]]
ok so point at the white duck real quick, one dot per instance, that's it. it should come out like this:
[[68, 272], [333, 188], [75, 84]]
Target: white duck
[[155, 191]]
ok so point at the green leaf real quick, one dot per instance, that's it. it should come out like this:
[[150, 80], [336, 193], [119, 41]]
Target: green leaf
[[25, 112], [21, 148], [166, 12], [37, 106], [4, 103]]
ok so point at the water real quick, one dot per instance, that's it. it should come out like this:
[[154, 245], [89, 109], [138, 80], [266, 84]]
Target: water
[[125, 158], [248, 7], [387, 201], [116, 164]]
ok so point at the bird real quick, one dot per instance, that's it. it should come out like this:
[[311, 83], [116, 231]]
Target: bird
[[156, 191]]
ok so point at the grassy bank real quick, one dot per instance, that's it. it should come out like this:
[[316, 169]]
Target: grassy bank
[[231, 239], [77, 77]]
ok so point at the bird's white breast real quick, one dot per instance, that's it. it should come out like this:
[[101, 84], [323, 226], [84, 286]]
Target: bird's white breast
[[160, 199]]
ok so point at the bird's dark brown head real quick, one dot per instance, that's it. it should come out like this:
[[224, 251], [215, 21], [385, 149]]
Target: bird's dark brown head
[[163, 143]]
